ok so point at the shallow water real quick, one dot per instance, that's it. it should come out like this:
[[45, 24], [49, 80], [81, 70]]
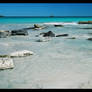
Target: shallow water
[[58, 63]]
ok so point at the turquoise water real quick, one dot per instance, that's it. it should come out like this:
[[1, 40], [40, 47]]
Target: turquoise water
[[35, 20], [58, 63]]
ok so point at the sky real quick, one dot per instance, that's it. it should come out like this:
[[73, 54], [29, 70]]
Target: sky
[[46, 9]]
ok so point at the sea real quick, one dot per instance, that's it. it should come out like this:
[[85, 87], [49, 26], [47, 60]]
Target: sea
[[57, 63]]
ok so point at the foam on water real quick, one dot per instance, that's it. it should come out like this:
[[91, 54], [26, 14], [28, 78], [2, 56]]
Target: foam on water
[[61, 23]]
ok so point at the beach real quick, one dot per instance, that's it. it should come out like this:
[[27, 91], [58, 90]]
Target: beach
[[58, 63]]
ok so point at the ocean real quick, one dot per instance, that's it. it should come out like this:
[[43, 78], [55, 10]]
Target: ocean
[[42, 19], [58, 63]]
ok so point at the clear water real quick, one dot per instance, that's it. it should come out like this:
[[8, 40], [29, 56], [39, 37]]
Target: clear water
[[58, 63], [38, 20]]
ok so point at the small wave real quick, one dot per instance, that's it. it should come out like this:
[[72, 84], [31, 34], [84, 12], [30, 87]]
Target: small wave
[[61, 23]]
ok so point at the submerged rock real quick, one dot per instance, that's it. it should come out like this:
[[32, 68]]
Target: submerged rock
[[6, 63], [45, 39], [42, 40], [89, 39], [48, 34], [72, 38], [4, 34], [21, 53], [36, 35], [85, 28], [3, 56], [59, 25], [42, 33], [61, 35], [19, 32], [90, 33]]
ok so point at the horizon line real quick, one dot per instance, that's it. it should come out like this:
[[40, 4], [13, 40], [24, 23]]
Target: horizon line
[[45, 16]]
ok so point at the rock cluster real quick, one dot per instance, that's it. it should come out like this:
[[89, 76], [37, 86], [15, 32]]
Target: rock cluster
[[19, 32]]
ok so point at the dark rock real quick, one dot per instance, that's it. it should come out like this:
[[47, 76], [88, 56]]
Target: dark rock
[[58, 25], [43, 40], [89, 39], [19, 32], [48, 34], [42, 33], [85, 28], [61, 35], [72, 38], [90, 33]]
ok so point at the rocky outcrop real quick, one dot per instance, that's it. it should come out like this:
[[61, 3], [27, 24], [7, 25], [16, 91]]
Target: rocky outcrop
[[85, 22], [6, 63], [37, 27], [61, 35], [19, 32]]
